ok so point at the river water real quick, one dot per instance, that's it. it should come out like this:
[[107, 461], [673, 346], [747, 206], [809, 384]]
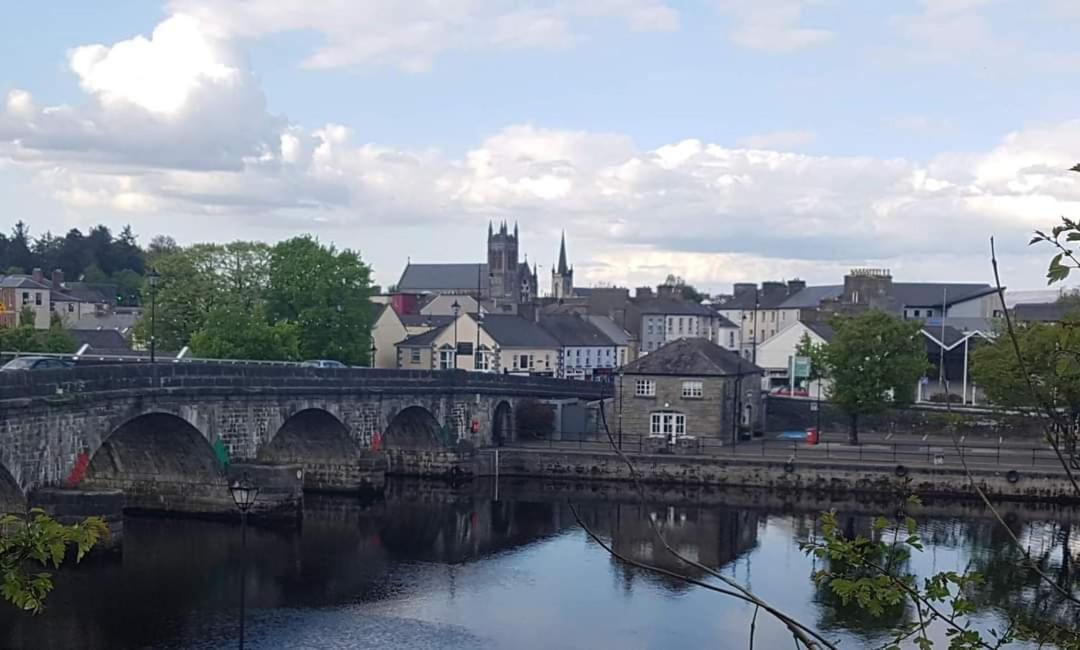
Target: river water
[[431, 566]]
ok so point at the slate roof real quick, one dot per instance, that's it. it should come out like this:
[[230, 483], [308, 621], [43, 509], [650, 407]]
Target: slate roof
[[102, 341], [21, 282], [691, 357], [747, 299], [724, 321], [574, 331], [421, 320], [824, 330], [812, 297], [423, 340], [443, 277], [930, 294], [671, 306], [611, 329], [511, 331], [1039, 312]]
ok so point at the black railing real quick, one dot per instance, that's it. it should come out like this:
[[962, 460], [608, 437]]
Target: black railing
[[932, 453]]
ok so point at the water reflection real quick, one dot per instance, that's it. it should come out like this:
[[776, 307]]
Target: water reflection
[[431, 566]]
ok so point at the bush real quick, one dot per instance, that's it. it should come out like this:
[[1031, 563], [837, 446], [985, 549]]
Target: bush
[[535, 418], [946, 397]]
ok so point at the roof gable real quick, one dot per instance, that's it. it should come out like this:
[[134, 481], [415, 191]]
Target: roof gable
[[511, 331], [691, 357], [443, 277]]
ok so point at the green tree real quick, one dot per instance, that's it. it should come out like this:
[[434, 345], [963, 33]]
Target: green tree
[[27, 317], [56, 339], [33, 541], [816, 353], [873, 361], [234, 332], [682, 289], [327, 294]]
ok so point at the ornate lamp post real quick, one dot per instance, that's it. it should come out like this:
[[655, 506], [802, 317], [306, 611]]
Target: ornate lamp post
[[243, 495], [456, 308], [152, 279], [371, 353]]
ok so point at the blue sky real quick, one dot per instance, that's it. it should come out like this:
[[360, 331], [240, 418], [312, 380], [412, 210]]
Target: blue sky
[[723, 140]]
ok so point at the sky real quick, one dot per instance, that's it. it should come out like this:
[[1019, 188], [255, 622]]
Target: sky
[[719, 140]]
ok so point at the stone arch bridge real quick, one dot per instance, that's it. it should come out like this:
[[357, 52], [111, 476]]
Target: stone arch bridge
[[162, 433]]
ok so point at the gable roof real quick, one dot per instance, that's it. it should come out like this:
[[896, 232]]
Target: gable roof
[[812, 297], [511, 331], [102, 341], [691, 357], [420, 278], [574, 330], [671, 306], [930, 294], [22, 282], [725, 322], [424, 320], [611, 329], [824, 330], [422, 340]]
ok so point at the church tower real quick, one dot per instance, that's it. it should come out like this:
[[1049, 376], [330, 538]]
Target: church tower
[[562, 276], [503, 264]]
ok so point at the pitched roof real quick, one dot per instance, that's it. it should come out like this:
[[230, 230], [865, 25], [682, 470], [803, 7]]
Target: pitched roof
[[102, 341], [762, 299], [931, 294], [511, 331], [812, 297], [1040, 312], [724, 321], [824, 330], [696, 357], [611, 329], [574, 330], [424, 320], [22, 282], [422, 340], [443, 277], [671, 306]]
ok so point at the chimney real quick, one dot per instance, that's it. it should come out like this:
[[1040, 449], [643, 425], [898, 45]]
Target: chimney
[[38, 275], [665, 291], [795, 286], [744, 288], [643, 292], [771, 289], [57, 278]]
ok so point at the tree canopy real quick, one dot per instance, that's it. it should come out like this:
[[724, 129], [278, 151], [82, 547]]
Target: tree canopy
[[684, 290], [874, 360]]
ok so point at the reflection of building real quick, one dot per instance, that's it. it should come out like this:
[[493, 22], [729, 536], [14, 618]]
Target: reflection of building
[[713, 537]]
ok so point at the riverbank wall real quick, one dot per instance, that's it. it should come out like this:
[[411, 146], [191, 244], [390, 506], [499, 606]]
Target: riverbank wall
[[832, 478]]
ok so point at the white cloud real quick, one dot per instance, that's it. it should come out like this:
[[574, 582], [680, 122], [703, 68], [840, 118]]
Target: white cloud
[[772, 25], [207, 151], [411, 34], [779, 140]]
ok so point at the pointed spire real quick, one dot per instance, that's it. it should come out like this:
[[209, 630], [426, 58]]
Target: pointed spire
[[491, 231], [515, 229], [563, 270]]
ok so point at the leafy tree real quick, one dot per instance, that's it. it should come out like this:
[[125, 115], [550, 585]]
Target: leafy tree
[[873, 360], [27, 317], [235, 332], [56, 339], [816, 353], [37, 540], [684, 290], [188, 290], [129, 285], [327, 294]]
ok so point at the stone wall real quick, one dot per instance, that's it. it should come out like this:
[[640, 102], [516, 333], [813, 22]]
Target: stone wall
[[788, 414], [710, 415], [821, 477]]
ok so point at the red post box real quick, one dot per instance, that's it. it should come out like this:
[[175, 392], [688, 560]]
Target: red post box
[[812, 436]]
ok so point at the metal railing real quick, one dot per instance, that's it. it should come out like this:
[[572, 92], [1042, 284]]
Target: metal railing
[[923, 453]]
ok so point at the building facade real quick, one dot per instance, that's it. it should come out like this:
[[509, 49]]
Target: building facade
[[690, 388]]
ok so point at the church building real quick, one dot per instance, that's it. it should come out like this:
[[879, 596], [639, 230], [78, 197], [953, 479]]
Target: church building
[[562, 276]]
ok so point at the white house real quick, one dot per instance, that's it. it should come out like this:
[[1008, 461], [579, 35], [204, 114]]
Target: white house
[[774, 355]]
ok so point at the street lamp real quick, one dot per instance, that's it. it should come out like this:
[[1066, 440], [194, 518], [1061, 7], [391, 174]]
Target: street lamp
[[152, 279], [371, 353], [243, 495], [456, 308]]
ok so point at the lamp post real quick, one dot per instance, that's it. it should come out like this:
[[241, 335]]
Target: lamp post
[[152, 279], [371, 353], [456, 308], [243, 495]]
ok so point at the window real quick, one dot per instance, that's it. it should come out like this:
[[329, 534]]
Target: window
[[71, 308], [916, 313], [414, 355], [680, 325], [447, 359], [650, 327], [693, 389], [482, 359], [26, 297], [772, 316], [666, 423], [731, 339], [929, 313], [37, 298], [645, 388]]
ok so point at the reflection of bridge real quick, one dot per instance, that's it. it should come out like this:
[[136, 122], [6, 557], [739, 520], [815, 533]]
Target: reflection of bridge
[[162, 433]]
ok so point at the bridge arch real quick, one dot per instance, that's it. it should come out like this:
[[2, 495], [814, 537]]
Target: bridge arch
[[502, 424], [158, 459], [413, 427], [319, 441]]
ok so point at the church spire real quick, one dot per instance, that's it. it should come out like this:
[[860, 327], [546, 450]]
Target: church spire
[[563, 270], [491, 230]]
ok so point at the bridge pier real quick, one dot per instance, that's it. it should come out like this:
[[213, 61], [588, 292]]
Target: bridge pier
[[70, 506]]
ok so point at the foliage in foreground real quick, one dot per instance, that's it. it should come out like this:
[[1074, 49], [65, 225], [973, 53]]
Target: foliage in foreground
[[37, 540]]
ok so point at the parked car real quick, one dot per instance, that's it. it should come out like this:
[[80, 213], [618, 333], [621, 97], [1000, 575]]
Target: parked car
[[35, 363], [323, 363], [785, 391]]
